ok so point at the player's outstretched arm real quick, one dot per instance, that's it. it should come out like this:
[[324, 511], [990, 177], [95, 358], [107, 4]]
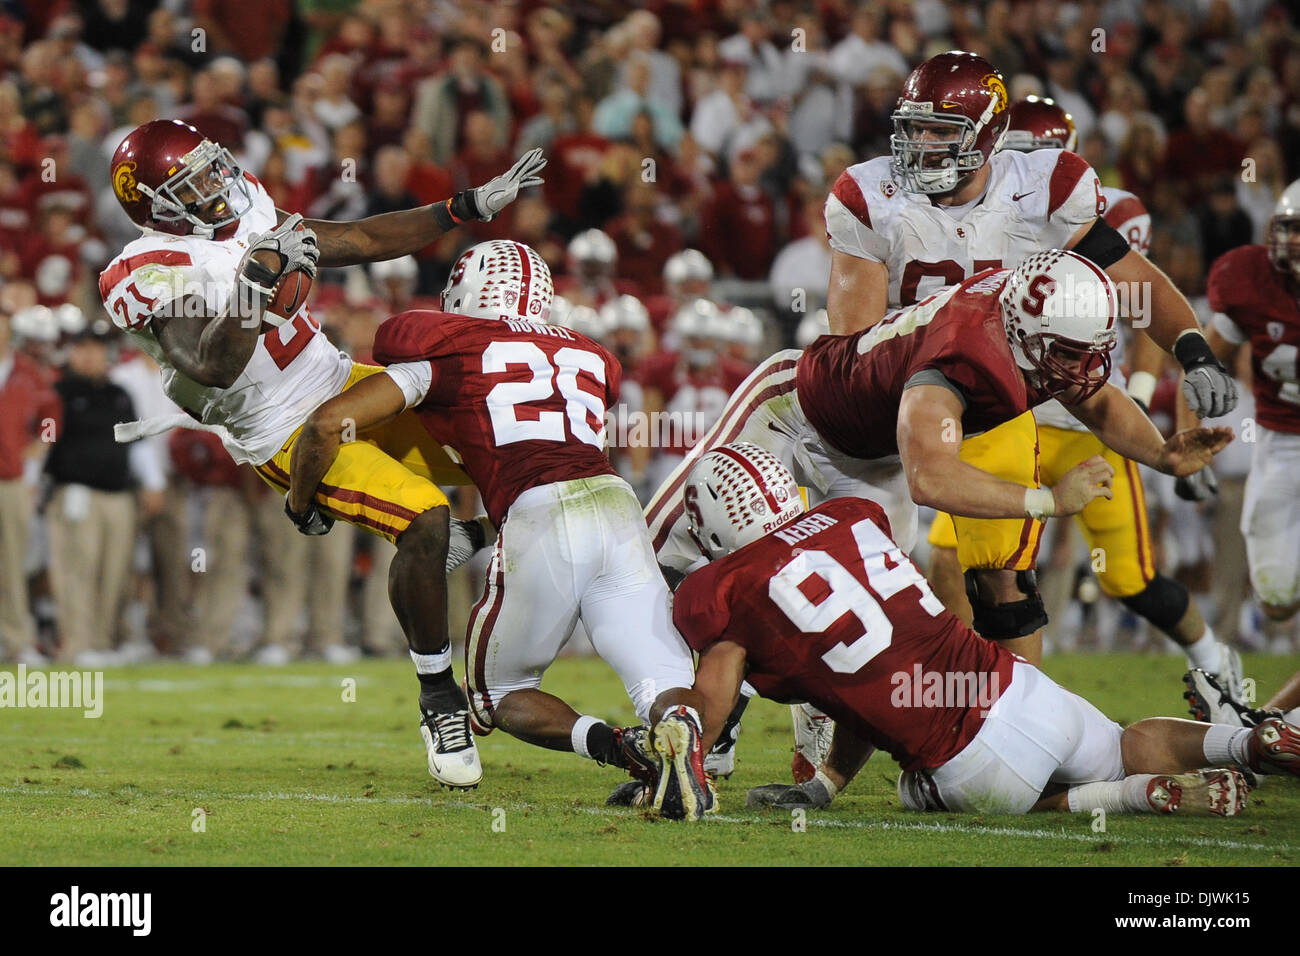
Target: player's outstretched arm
[[929, 443], [371, 402], [1123, 427], [717, 679], [407, 231]]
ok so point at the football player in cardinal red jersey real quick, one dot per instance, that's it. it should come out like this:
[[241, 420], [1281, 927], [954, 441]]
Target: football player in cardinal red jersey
[[523, 405], [193, 291], [1116, 525], [1255, 293], [823, 606]]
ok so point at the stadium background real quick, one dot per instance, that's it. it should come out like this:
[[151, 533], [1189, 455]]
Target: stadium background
[[711, 125]]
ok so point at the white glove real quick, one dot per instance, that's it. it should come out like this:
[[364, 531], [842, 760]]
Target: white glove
[[496, 194], [811, 795]]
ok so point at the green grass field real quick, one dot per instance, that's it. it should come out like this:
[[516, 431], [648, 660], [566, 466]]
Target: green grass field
[[286, 772]]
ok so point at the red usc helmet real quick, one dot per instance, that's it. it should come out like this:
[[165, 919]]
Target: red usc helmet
[[1039, 123], [171, 179], [949, 118]]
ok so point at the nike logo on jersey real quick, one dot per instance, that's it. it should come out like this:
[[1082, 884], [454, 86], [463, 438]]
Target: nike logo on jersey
[[1016, 197]]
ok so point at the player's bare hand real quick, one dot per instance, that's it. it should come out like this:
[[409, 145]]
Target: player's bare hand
[[1084, 482], [1191, 450]]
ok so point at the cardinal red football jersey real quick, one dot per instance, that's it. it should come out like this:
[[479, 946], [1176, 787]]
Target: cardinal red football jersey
[[1260, 308], [850, 386], [830, 611], [522, 404]]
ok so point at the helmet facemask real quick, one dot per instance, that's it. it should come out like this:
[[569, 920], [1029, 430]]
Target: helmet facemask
[[209, 182], [1066, 369], [933, 153]]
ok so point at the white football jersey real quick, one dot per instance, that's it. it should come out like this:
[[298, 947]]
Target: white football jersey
[[1126, 214], [1033, 201], [293, 369]]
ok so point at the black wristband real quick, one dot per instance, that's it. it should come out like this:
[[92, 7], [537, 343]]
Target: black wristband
[[1192, 350], [258, 273], [463, 206]]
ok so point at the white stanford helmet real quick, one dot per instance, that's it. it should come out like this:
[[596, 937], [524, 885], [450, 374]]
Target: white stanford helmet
[[698, 318], [689, 265], [500, 279], [736, 494], [592, 245], [625, 312], [1059, 310], [811, 327], [585, 320], [1284, 232], [742, 326]]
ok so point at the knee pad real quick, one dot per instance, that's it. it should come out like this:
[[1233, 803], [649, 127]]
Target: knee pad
[[998, 622], [1163, 602]]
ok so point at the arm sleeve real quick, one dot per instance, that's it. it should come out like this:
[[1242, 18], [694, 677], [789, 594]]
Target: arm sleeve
[[848, 222], [415, 379], [1229, 329]]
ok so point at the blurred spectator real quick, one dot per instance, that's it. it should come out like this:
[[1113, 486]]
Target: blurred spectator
[[1223, 223], [229, 26], [1141, 160], [753, 47], [340, 185], [483, 157], [801, 271], [91, 512], [216, 119], [643, 35], [533, 228], [743, 240], [728, 116], [29, 409], [443, 104], [644, 242], [334, 107], [1199, 153], [575, 160], [552, 118], [615, 113], [1258, 193], [863, 51]]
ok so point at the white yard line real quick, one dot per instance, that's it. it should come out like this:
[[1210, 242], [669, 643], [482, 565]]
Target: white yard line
[[1172, 843]]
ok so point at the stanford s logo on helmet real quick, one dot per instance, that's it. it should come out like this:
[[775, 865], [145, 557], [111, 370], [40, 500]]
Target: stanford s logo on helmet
[[736, 494], [1039, 123], [1059, 311], [500, 279], [170, 179], [949, 118]]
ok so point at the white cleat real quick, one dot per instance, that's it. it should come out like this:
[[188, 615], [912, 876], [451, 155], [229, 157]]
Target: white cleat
[[453, 757], [812, 740], [272, 655], [1229, 673]]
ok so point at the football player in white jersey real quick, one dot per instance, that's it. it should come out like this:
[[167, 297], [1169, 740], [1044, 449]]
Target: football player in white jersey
[[1115, 528], [942, 207], [194, 292]]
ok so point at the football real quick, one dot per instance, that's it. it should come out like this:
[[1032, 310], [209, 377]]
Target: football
[[289, 294]]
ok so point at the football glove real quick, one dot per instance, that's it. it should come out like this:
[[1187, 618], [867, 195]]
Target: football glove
[[499, 192], [1208, 387], [1200, 486], [297, 248], [313, 522]]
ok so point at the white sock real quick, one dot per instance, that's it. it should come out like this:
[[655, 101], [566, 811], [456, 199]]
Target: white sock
[[1292, 716], [1225, 744], [1114, 796], [1205, 652], [579, 735], [432, 663]]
